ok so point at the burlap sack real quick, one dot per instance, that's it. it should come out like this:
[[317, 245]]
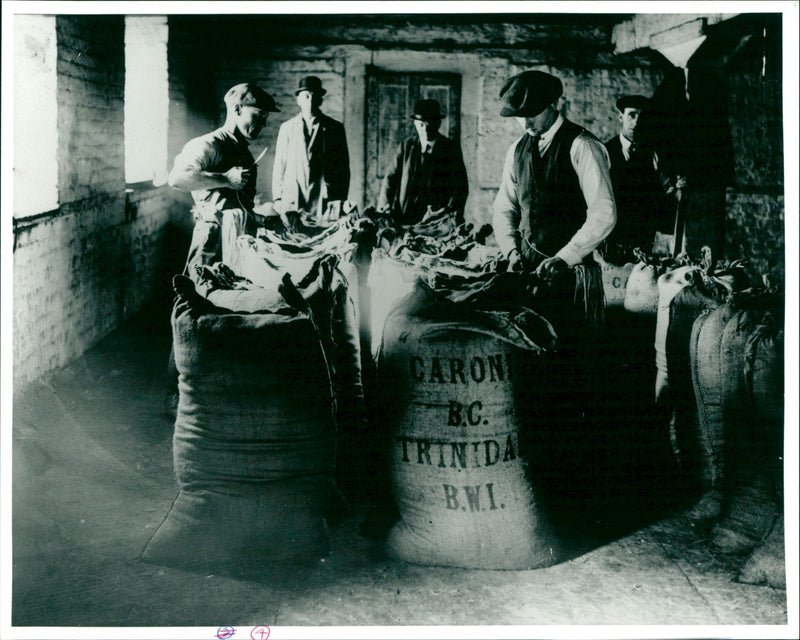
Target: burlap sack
[[253, 441], [463, 472], [615, 281]]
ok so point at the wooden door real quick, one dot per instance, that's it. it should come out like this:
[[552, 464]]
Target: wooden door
[[390, 103]]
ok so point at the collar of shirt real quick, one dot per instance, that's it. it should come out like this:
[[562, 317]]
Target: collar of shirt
[[310, 125], [427, 148], [626, 146], [547, 137], [235, 135]]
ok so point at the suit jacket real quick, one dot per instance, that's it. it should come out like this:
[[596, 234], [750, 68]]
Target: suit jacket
[[642, 205], [307, 176], [411, 185]]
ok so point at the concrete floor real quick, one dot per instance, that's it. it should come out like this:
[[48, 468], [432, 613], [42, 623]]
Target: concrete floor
[[93, 479]]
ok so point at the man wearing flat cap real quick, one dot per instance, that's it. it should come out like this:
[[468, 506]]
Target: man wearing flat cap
[[312, 164], [640, 190], [219, 171], [555, 203], [427, 175]]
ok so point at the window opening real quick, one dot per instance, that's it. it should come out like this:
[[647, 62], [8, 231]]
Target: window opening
[[146, 99], [35, 116]]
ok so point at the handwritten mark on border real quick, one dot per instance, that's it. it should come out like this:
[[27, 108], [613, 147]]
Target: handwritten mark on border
[[261, 632], [223, 633]]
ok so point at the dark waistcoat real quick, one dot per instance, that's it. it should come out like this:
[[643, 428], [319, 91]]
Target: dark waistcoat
[[552, 206]]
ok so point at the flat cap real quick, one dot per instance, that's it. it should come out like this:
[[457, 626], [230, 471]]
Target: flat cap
[[633, 102], [248, 94], [527, 94]]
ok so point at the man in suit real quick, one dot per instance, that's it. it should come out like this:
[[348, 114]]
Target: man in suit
[[427, 174], [312, 164], [640, 189]]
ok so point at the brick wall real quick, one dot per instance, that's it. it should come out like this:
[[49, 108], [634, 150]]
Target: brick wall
[[755, 225], [592, 84], [91, 85], [485, 56], [81, 270], [78, 273]]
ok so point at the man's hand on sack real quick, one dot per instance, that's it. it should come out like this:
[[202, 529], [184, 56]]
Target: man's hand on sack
[[550, 268], [515, 260], [237, 177]]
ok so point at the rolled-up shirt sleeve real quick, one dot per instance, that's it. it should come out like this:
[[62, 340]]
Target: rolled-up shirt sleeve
[[197, 155], [591, 162], [506, 215]]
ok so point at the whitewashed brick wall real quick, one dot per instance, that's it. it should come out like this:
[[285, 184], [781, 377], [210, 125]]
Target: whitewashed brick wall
[[78, 274]]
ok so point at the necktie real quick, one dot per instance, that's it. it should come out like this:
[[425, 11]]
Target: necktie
[[535, 153], [537, 169], [426, 153]]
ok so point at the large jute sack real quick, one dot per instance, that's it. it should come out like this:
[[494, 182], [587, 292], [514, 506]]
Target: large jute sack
[[682, 294], [462, 382], [641, 288], [329, 296], [767, 564], [764, 375], [389, 280], [677, 319], [707, 379], [253, 441], [615, 281], [752, 444], [332, 299], [264, 263], [684, 298], [736, 410]]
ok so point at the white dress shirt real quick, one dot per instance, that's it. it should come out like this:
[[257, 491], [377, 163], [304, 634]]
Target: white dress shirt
[[590, 160]]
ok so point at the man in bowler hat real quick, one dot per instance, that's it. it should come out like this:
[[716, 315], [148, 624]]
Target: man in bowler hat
[[640, 190], [555, 203], [312, 164], [427, 175]]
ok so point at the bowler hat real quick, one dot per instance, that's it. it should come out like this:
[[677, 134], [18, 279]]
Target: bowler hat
[[527, 94], [633, 102], [248, 94], [427, 110], [312, 84]]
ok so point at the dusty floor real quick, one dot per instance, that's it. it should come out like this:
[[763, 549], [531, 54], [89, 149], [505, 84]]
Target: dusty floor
[[93, 479]]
